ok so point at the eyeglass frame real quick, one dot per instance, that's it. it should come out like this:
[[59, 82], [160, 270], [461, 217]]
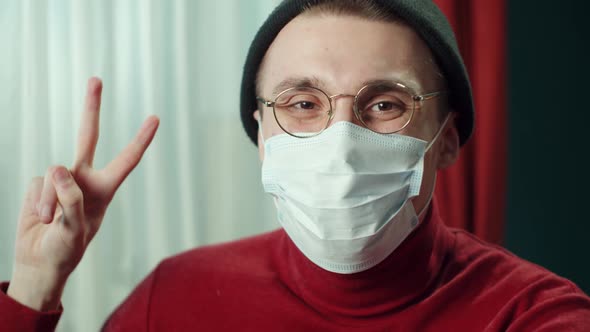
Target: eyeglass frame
[[415, 98]]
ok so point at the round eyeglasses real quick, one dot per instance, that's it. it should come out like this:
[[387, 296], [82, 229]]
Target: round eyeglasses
[[383, 107]]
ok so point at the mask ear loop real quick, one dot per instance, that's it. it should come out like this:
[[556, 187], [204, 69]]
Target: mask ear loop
[[424, 208], [260, 129], [440, 130]]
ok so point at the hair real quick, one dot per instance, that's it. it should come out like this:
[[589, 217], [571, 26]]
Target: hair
[[366, 9], [369, 10]]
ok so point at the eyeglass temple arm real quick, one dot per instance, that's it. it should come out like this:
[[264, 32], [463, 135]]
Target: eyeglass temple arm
[[427, 96], [265, 102]]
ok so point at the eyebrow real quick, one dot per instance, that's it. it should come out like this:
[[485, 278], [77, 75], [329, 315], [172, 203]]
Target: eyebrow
[[299, 82], [315, 82]]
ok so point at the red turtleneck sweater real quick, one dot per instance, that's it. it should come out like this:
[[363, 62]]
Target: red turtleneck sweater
[[439, 279]]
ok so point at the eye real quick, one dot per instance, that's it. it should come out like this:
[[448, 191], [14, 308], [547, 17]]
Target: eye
[[302, 103], [382, 106], [306, 105], [386, 106]]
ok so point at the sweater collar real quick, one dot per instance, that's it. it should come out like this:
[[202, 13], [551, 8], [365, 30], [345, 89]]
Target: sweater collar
[[404, 277]]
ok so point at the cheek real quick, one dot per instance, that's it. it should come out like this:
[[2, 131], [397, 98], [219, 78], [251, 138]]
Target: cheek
[[430, 161], [420, 127], [270, 127]]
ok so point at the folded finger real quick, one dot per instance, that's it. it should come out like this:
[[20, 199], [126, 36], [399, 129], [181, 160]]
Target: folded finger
[[33, 195], [89, 125], [69, 196], [48, 198]]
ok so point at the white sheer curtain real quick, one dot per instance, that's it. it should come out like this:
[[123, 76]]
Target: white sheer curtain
[[198, 183]]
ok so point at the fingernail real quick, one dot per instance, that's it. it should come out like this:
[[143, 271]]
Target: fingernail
[[45, 212], [61, 175]]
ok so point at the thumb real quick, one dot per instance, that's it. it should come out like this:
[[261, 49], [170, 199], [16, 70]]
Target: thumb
[[70, 198]]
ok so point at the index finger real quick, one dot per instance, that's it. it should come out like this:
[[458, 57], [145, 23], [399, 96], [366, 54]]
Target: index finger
[[89, 125]]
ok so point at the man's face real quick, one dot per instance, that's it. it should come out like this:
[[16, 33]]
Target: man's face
[[342, 52]]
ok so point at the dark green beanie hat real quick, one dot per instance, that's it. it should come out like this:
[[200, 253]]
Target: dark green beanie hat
[[422, 15]]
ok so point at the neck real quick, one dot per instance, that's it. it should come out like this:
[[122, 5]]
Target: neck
[[404, 277]]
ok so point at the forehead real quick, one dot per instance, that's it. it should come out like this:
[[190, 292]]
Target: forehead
[[342, 52]]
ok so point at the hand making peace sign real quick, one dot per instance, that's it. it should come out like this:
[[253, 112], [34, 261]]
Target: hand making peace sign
[[63, 211]]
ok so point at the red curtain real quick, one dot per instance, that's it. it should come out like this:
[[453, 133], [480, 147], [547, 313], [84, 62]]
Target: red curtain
[[472, 193]]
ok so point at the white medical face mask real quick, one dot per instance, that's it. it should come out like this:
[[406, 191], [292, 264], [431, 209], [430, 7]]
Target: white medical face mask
[[343, 197]]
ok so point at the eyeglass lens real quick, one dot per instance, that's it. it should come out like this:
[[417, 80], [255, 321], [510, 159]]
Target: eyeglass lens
[[383, 107]]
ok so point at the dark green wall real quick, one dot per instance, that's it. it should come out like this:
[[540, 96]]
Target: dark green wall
[[548, 215]]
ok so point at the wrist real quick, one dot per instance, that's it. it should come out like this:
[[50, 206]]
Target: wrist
[[36, 290]]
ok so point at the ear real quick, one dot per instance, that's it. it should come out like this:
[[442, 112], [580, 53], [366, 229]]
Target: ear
[[449, 147], [257, 116]]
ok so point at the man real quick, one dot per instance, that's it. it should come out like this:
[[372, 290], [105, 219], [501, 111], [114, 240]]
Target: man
[[354, 106]]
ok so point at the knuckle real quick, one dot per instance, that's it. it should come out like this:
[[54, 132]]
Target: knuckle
[[72, 196]]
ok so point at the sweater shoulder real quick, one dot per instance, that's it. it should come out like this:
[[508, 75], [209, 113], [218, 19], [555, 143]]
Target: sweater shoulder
[[205, 282], [252, 254], [499, 270], [506, 290]]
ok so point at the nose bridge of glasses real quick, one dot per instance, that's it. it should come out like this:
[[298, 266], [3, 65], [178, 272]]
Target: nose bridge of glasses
[[346, 111]]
